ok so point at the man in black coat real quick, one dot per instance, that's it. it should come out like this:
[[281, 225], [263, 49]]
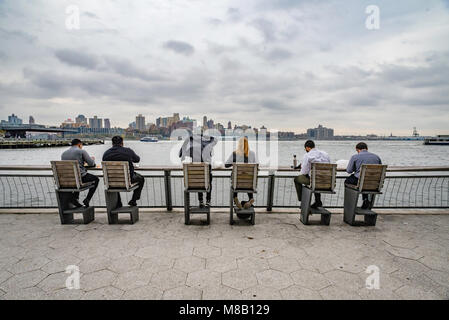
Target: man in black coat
[[119, 153]]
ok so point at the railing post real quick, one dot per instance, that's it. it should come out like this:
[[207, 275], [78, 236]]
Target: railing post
[[167, 183], [270, 190]]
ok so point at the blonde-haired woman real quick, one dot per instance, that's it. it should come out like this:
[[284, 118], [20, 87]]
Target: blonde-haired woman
[[242, 155]]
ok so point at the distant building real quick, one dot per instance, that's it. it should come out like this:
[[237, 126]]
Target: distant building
[[31, 120], [132, 125], [167, 121], [95, 123], [13, 119], [229, 125], [204, 122], [81, 119], [140, 123], [320, 133], [107, 124], [69, 123]]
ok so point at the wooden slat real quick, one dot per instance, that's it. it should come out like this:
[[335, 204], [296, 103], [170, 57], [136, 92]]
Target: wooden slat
[[197, 185], [322, 186], [246, 176], [197, 180]]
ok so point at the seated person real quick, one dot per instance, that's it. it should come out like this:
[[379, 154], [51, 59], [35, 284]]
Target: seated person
[[76, 152], [199, 148], [242, 155], [119, 153], [312, 155], [355, 164]]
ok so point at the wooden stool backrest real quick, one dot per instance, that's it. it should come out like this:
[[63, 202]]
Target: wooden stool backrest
[[323, 176], [244, 176], [196, 176], [372, 177], [116, 175], [67, 174]]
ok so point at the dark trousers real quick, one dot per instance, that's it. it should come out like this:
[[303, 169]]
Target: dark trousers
[[136, 193], [141, 181], [208, 194], [250, 195], [352, 179], [304, 180], [88, 178]]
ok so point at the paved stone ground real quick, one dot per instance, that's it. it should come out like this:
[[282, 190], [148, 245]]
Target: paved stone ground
[[278, 258]]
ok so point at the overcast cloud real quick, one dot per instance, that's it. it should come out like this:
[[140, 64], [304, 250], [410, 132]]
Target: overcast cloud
[[285, 64]]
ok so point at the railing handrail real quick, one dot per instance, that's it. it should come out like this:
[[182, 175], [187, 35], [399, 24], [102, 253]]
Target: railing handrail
[[179, 168]]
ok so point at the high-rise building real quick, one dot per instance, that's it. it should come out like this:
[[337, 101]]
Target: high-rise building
[[95, 122], [229, 125], [31, 120], [13, 119], [107, 124], [320, 133], [140, 123], [81, 119], [204, 122]]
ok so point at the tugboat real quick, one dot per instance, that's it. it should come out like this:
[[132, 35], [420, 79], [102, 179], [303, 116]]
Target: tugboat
[[149, 139], [441, 140]]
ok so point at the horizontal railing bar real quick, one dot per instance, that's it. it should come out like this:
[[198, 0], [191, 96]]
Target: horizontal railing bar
[[221, 176], [177, 168]]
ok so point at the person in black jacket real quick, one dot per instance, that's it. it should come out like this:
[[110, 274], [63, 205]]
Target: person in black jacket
[[119, 153]]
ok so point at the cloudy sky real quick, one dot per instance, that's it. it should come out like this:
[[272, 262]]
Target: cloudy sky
[[285, 64]]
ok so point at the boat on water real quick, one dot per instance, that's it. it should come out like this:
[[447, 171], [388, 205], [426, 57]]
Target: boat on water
[[441, 140], [149, 139]]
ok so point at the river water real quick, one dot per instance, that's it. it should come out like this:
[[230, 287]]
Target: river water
[[393, 153]]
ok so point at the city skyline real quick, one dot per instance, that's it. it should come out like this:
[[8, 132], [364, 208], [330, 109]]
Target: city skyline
[[173, 122], [288, 65]]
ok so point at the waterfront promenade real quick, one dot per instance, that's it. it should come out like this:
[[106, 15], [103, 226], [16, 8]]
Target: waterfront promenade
[[278, 258]]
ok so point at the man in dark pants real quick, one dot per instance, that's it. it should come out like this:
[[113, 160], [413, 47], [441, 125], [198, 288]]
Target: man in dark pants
[[119, 153], [77, 153], [355, 165]]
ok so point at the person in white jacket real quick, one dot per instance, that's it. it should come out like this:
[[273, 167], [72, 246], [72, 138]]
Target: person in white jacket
[[312, 155]]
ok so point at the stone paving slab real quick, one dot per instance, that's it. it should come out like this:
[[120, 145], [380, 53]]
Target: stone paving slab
[[278, 258]]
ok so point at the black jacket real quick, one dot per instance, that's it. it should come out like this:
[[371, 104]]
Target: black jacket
[[122, 154]]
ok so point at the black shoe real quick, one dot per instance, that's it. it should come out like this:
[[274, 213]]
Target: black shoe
[[76, 203], [201, 204], [365, 204], [133, 203], [208, 203], [86, 203], [316, 205]]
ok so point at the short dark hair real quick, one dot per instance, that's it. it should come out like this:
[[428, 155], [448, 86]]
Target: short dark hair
[[361, 146], [117, 141], [310, 144], [76, 142]]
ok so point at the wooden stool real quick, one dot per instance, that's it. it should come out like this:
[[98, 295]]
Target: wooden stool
[[243, 180], [323, 180], [371, 182], [117, 178], [196, 180], [67, 176]]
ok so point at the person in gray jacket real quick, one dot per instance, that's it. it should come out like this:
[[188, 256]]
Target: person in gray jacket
[[242, 155], [76, 152], [200, 149], [355, 164]]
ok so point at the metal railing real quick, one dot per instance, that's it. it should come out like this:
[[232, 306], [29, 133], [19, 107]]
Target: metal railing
[[423, 187]]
